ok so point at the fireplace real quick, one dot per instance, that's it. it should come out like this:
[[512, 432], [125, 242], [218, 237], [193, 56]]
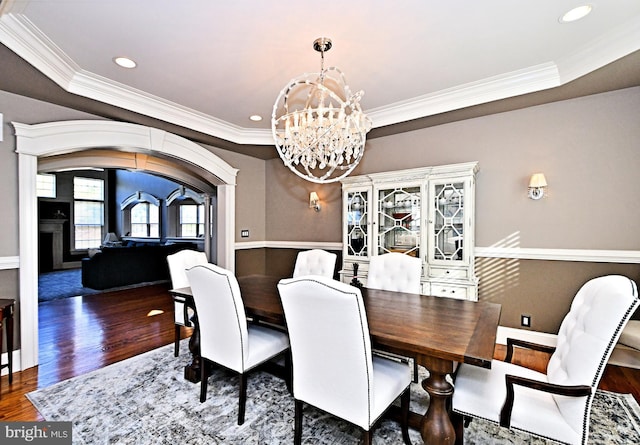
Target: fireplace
[[53, 230]]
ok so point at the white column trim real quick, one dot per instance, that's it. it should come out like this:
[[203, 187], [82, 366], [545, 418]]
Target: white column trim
[[28, 212], [226, 226]]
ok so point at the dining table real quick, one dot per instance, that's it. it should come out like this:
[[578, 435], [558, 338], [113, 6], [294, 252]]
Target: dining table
[[437, 332]]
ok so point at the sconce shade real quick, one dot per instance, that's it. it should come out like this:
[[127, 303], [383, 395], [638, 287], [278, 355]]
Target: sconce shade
[[314, 201], [538, 180], [537, 184]]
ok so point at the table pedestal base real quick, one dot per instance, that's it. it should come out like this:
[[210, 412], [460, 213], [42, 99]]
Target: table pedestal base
[[436, 426], [192, 371]]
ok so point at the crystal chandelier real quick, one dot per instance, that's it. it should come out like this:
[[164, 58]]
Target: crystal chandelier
[[318, 126]]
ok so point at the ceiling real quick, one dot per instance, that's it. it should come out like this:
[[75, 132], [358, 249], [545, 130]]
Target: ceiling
[[204, 67]]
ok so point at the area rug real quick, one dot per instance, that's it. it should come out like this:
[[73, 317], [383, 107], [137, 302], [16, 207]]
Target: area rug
[[145, 400], [62, 284], [68, 283]]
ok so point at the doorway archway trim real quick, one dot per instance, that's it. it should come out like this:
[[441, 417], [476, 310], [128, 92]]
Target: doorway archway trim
[[56, 138]]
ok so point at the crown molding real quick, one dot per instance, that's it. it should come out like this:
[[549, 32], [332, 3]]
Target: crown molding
[[23, 37], [519, 82], [617, 43]]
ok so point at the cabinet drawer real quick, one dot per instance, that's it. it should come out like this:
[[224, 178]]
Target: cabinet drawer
[[448, 272], [449, 291]]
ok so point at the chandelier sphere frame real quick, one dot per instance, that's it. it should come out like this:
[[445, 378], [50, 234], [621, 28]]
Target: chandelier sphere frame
[[318, 125]]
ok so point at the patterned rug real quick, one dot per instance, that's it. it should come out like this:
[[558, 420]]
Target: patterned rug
[[62, 284], [145, 400], [68, 283]]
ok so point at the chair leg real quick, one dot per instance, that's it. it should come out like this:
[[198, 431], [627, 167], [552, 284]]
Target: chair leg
[[204, 377], [243, 398], [458, 426], [297, 434], [367, 437], [405, 400], [415, 371], [176, 349], [288, 371]]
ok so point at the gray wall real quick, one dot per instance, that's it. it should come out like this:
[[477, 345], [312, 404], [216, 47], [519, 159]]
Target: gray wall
[[587, 148]]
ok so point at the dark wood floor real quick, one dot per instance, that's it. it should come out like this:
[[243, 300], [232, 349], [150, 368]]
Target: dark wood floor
[[81, 334]]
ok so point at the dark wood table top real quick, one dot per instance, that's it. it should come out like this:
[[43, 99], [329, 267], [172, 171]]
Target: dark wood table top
[[442, 328]]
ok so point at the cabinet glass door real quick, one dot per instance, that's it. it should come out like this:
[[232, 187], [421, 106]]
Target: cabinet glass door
[[399, 220], [448, 221], [357, 235]]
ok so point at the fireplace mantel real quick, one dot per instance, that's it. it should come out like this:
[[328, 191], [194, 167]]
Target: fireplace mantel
[[54, 226]]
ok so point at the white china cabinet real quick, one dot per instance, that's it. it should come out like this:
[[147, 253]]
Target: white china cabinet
[[424, 212]]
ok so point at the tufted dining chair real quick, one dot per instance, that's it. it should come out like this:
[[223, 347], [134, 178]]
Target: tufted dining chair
[[333, 368], [178, 263], [396, 272], [555, 405], [225, 336], [315, 262]]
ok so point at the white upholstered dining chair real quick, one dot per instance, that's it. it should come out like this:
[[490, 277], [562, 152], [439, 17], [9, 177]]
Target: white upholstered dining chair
[[225, 336], [396, 272], [333, 368], [555, 405], [178, 263], [315, 262]]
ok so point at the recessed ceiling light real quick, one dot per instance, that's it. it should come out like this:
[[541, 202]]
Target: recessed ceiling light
[[576, 14], [124, 62], [255, 118]]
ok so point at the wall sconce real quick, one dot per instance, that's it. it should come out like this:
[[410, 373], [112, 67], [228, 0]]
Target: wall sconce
[[314, 202], [537, 184]]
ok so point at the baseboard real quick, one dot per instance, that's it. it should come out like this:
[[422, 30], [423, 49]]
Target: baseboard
[[625, 356], [16, 362], [622, 355], [542, 338], [72, 265]]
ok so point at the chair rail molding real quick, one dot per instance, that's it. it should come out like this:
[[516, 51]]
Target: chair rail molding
[[585, 255], [9, 262], [245, 245]]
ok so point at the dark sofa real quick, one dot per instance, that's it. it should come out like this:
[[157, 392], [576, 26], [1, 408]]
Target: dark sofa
[[127, 265]]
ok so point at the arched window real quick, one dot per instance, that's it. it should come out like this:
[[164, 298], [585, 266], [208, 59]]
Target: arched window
[[145, 220], [141, 215], [186, 213]]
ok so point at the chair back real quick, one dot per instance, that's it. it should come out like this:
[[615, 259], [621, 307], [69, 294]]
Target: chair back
[[180, 261], [315, 262], [599, 312], [395, 272], [221, 316], [330, 346]]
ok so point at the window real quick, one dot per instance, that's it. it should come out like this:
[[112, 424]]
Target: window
[[46, 186], [145, 220], [191, 220], [88, 212]]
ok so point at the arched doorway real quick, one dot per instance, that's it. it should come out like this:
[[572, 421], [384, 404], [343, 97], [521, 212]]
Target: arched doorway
[[135, 142]]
